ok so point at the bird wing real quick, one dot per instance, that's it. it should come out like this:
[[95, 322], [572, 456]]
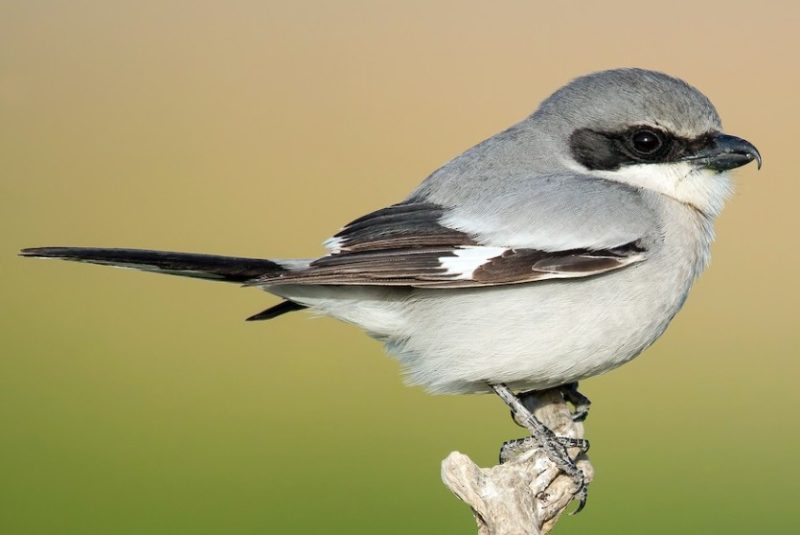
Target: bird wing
[[409, 244], [549, 212]]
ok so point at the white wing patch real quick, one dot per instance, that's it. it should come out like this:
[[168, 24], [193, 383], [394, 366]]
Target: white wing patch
[[334, 245], [469, 258]]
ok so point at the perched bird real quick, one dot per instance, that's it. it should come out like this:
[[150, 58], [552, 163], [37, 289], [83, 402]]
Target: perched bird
[[553, 251]]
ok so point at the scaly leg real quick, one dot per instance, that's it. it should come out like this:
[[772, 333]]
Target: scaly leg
[[554, 448]]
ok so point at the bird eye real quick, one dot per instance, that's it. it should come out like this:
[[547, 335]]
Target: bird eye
[[646, 142]]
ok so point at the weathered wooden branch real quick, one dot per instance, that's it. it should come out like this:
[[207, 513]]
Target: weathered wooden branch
[[525, 495]]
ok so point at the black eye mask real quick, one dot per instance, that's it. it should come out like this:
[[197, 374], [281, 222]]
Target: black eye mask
[[608, 151]]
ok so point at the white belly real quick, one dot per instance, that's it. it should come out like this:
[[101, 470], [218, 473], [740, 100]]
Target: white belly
[[533, 336]]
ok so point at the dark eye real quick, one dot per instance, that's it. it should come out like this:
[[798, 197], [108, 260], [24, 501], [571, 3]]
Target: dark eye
[[646, 142]]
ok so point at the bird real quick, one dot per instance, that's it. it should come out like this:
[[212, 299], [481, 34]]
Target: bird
[[553, 251]]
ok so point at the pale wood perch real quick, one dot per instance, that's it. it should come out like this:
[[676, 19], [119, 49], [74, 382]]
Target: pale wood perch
[[525, 495]]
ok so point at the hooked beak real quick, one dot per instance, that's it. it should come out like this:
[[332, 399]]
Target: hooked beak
[[723, 153]]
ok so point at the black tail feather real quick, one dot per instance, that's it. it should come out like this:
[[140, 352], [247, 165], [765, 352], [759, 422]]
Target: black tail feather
[[275, 311], [200, 266]]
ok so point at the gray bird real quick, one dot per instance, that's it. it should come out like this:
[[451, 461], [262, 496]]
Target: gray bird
[[553, 251]]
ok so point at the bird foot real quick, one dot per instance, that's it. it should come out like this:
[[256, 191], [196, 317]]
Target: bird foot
[[579, 402], [554, 447], [515, 448], [569, 392]]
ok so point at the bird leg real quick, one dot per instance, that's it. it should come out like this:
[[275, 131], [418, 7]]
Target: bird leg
[[555, 447], [580, 402], [569, 392]]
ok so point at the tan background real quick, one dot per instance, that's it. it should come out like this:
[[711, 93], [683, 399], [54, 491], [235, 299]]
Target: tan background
[[132, 403]]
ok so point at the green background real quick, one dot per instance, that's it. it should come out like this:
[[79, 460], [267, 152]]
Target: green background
[[133, 403]]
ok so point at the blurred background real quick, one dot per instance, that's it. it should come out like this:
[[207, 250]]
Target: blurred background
[[134, 403]]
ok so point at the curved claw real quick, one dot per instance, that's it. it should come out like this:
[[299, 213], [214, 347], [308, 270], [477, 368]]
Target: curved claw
[[580, 415], [582, 495]]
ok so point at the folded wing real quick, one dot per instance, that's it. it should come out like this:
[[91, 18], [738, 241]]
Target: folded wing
[[408, 245]]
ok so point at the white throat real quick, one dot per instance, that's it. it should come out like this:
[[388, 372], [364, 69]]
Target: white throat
[[702, 189]]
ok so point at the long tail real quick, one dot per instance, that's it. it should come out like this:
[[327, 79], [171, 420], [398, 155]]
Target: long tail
[[198, 266]]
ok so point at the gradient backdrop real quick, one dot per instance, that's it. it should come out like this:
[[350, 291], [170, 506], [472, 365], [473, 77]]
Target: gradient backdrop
[[138, 404]]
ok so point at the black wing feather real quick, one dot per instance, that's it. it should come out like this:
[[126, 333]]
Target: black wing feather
[[407, 245], [406, 225]]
